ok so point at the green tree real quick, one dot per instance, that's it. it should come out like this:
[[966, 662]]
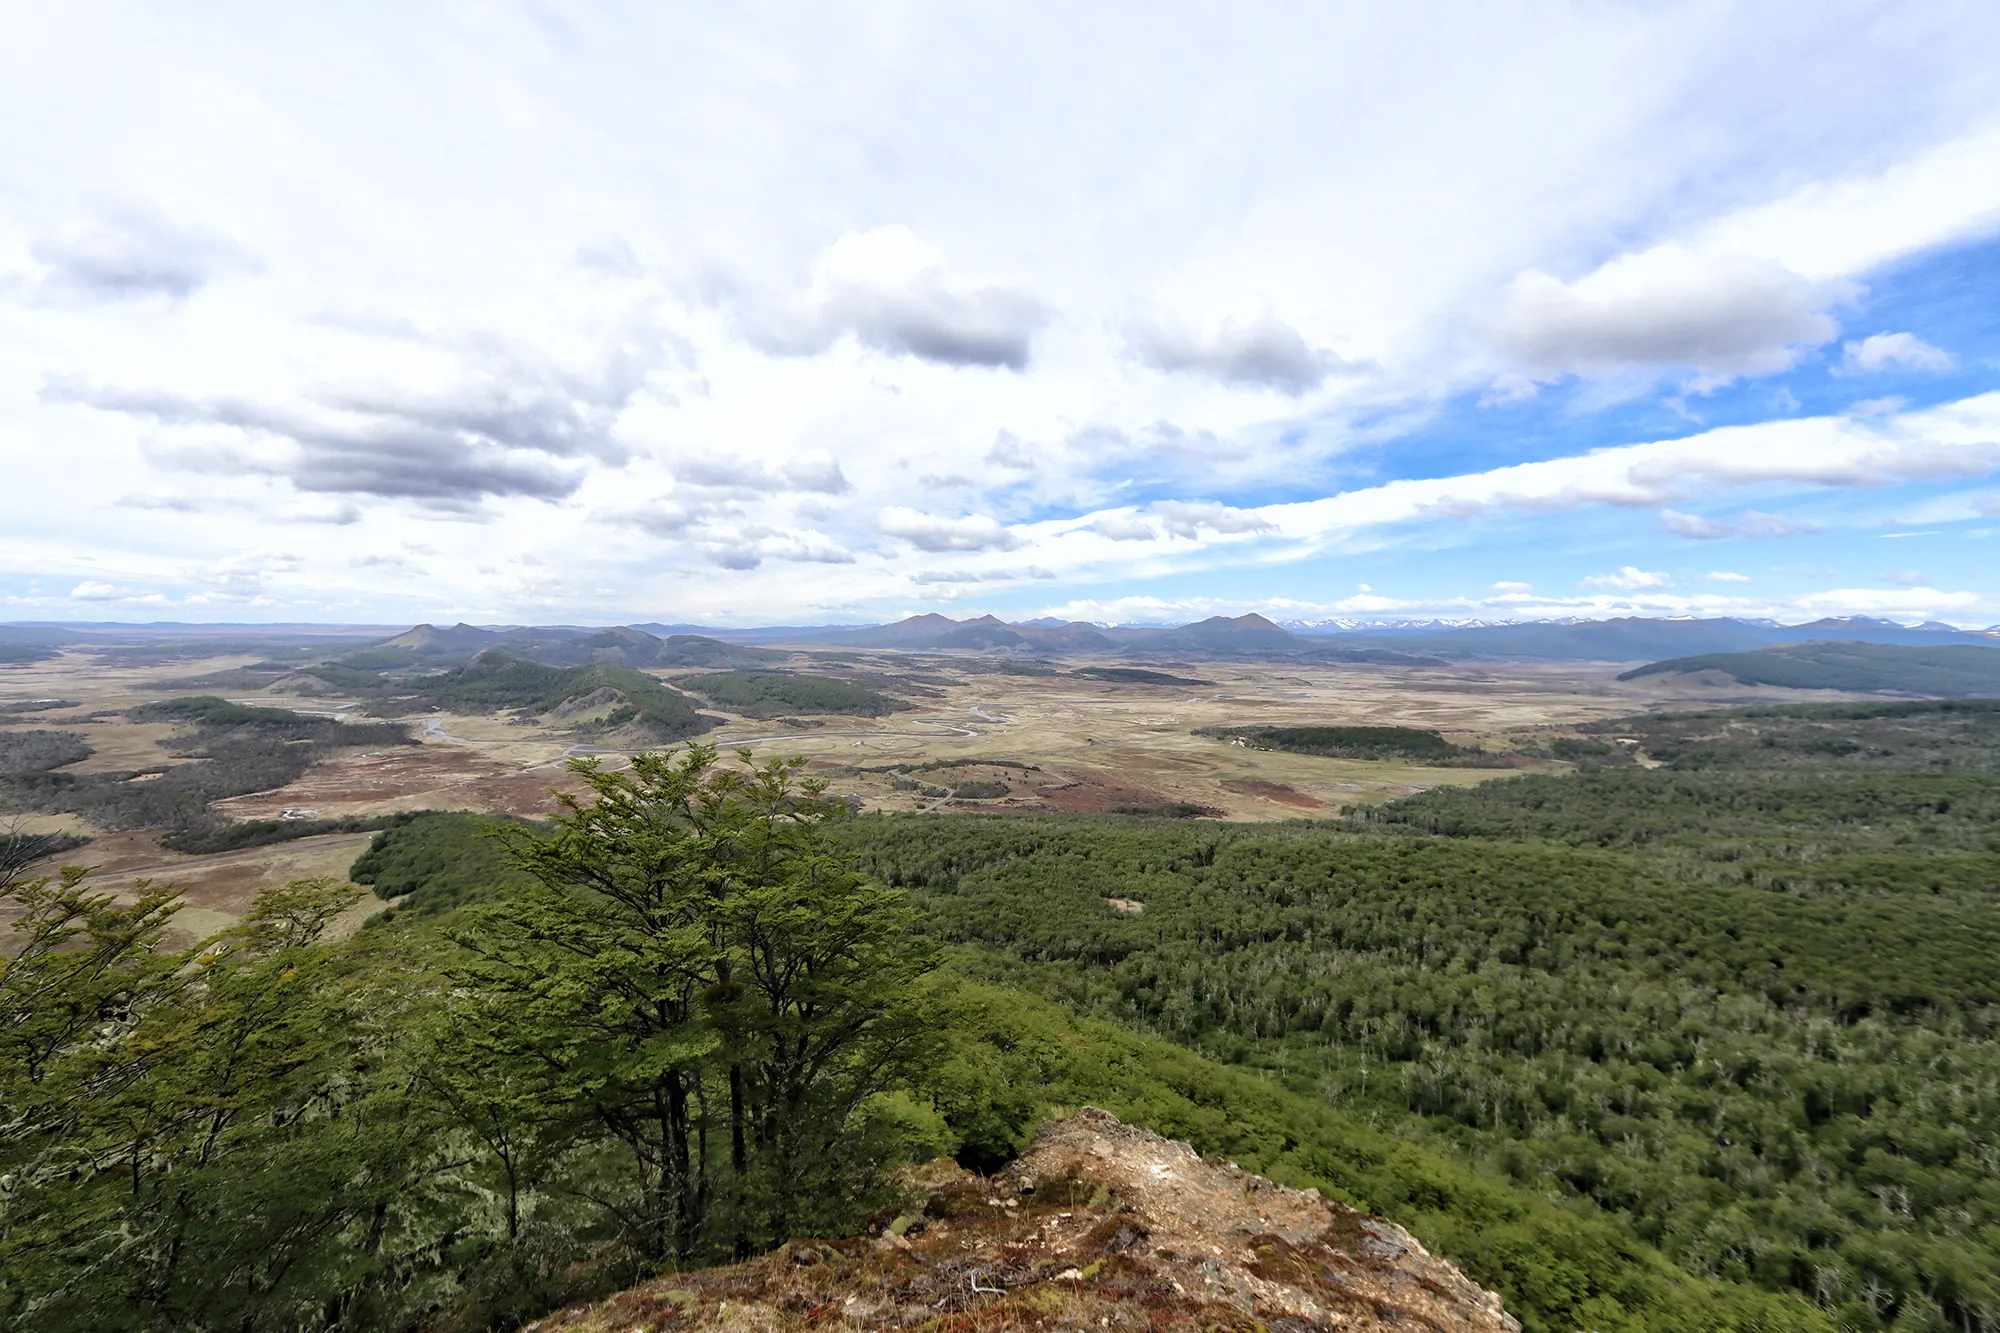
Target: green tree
[[698, 974]]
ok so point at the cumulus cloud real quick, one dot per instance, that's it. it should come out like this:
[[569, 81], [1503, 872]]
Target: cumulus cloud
[[723, 472], [804, 547], [933, 532], [1723, 316], [1891, 351], [1261, 353], [748, 548], [1725, 576], [894, 293], [94, 590], [510, 429], [1750, 523], [1630, 578], [1124, 528], [1185, 518], [130, 252], [1513, 588]]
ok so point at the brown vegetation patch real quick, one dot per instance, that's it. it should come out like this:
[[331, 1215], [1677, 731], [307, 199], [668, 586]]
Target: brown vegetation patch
[[1270, 791]]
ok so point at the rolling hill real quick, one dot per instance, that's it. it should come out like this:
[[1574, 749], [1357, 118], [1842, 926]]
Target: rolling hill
[[1952, 671]]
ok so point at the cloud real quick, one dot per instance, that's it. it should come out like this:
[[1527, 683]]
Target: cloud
[[750, 547], [611, 257], [1262, 353], [806, 547], [931, 532], [950, 481], [733, 555], [1723, 316], [1725, 576], [1124, 528], [1510, 587], [663, 516], [1909, 578], [1877, 407], [130, 252], [509, 430], [1184, 518], [1954, 441], [1008, 451], [1630, 578], [722, 472], [91, 590], [400, 564], [1891, 351], [894, 293], [1750, 523]]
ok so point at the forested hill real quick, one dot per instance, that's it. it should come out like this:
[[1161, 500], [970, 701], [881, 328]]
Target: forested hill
[[1947, 672], [1744, 1004]]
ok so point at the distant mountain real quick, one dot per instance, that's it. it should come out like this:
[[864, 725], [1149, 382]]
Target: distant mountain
[[933, 631], [1954, 671], [559, 646], [430, 641], [1633, 639], [1243, 635]]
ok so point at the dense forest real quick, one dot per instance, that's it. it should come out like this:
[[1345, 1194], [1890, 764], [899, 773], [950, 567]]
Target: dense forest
[[1701, 1036], [1744, 1003], [767, 694], [1411, 743]]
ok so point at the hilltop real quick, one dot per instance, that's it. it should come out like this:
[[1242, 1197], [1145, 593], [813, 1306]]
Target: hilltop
[[1099, 1224]]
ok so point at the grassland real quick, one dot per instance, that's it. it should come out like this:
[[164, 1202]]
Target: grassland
[[968, 733]]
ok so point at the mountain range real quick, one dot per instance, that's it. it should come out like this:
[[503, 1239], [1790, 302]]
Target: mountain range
[[1627, 639]]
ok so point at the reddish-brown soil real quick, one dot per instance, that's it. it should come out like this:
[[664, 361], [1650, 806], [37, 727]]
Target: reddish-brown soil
[[1270, 791]]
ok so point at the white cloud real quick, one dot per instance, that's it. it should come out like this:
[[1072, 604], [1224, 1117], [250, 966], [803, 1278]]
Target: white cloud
[[1726, 576], [336, 326], [1124, 528], [1909, 578], [1186, 518], [932, 532], [1891, 351], [1630, 578], [1877, 407], [1512, 587], [1260, 353], [727, 472], [1750, 523], [132, 252], [94, 590], [894, 293], [1665, 308]]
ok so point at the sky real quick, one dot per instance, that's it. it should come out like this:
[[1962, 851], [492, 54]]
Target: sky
[[1132, 313]]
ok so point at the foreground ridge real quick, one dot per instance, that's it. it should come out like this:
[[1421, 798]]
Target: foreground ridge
[[1100, 1225]]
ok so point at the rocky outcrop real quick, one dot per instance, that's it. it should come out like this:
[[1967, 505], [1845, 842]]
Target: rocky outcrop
[[1100, 1225]]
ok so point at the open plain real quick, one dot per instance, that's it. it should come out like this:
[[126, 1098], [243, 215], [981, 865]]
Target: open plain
[[972, 734]]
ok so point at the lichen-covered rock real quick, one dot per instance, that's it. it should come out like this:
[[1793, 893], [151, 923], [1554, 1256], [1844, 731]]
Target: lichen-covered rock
[[1102, 1226]]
